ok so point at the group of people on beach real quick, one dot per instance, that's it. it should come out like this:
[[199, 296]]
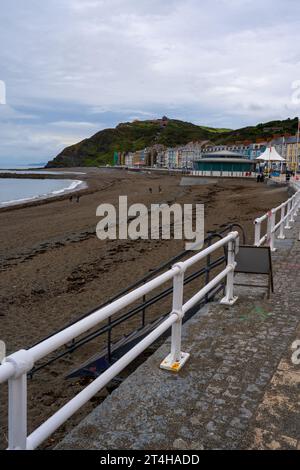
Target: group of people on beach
[[76, 198], [159, 190], [260, 178]]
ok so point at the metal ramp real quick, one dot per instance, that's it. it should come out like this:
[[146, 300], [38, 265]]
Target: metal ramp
[[98, 363]]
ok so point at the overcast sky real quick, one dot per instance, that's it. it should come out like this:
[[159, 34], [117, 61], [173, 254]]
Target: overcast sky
[[73, 67]]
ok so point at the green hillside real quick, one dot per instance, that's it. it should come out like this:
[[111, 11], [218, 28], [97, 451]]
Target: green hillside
[[264, 131], [131, 136]]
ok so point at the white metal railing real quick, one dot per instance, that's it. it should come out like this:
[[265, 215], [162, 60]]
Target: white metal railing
[[231, 174], [15, 367], [287, 212]]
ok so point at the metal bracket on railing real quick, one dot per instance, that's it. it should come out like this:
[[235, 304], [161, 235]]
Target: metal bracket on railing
[[236, 245], [179, 314], [180, 266], [22, 361], [174, 366], [233, 265]]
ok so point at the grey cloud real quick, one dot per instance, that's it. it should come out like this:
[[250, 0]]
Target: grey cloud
[[218, 62]]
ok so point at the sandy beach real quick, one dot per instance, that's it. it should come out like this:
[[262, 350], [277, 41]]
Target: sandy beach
[[53, 268]]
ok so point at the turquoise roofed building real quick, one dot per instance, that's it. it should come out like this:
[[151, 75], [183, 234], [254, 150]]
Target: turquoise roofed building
[[224, 163]]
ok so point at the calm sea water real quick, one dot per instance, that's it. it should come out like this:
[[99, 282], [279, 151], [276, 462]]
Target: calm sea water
[[18, 190], [41, 172]]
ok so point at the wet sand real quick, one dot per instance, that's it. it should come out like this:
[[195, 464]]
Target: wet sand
[[53, 268]]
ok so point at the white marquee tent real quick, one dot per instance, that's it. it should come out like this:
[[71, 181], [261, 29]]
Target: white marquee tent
[[270, 155]]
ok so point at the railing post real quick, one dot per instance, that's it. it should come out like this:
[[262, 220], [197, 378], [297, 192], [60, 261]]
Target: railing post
[[207, 271], [257, 233], [281, 235], [272, 232], [23, 362], [233, 247], [287, 225], [17, 413], [109, 340], [176, 359], [269, 228], [296, 206], [292, 220], [144, 309]]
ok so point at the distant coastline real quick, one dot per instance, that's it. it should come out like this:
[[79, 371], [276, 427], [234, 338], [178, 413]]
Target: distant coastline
[[27, 166]]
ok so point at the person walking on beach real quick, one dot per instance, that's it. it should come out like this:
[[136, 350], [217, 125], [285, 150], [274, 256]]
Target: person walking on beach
[[71, 198], [150, 190], [77, 198]]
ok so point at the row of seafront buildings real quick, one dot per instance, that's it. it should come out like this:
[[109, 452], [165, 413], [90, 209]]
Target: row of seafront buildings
[[185, 156]]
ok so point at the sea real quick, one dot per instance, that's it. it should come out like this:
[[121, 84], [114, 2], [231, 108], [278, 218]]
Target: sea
[[19, 190]]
